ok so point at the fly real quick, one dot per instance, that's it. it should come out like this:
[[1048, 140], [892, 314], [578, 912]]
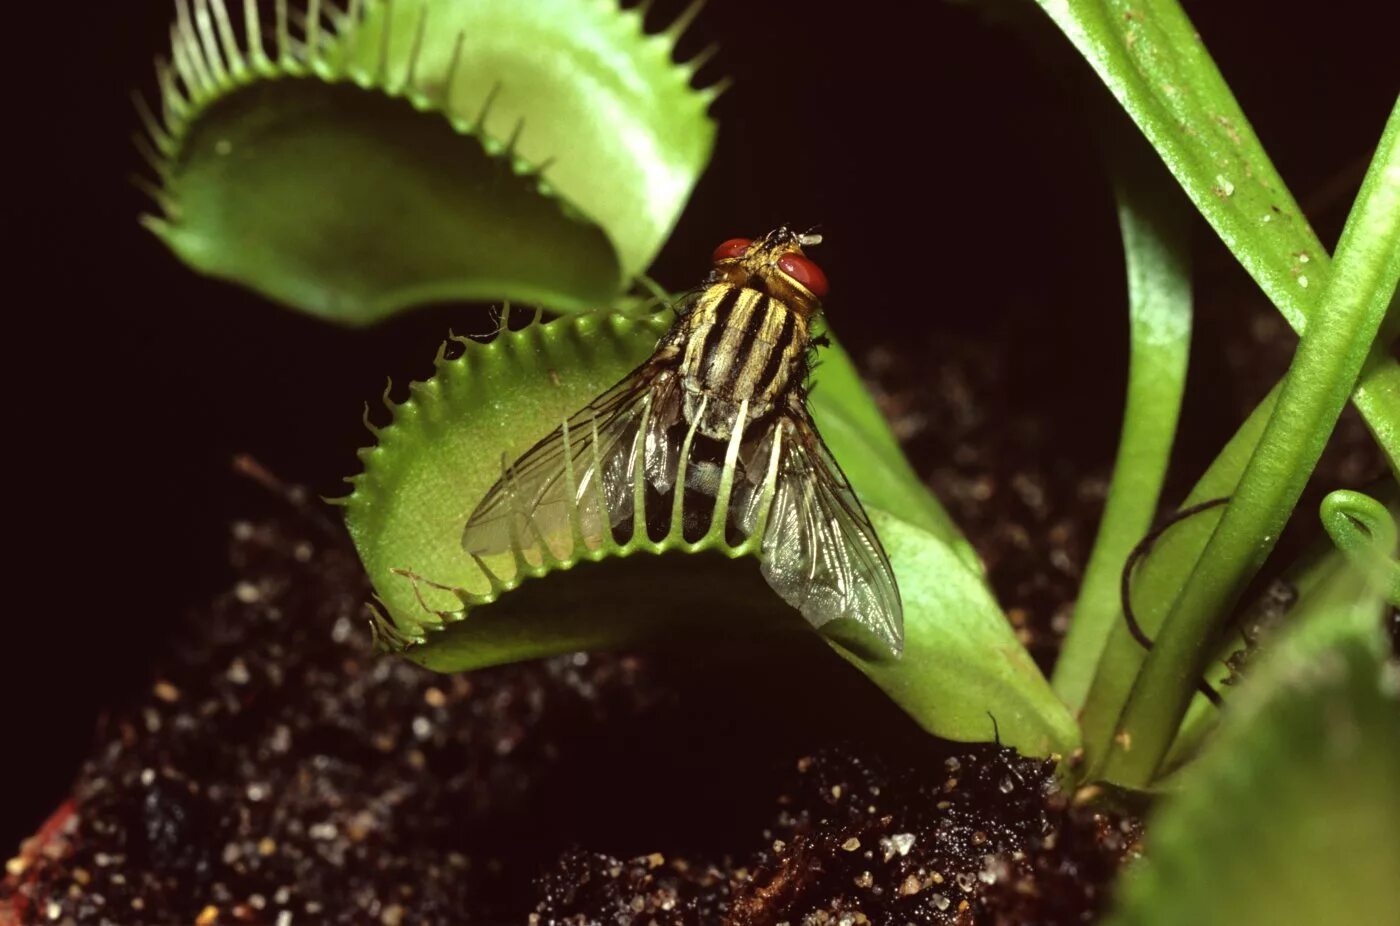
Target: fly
[[736, 358]]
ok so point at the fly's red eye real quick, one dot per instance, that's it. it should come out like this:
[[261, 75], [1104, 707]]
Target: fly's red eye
[[734, 247], [805, 272]]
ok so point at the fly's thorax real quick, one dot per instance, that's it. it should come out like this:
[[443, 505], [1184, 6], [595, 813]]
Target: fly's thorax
[[740, 343]]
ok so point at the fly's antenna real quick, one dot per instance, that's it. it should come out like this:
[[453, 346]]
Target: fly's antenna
[[810, 237], [1135, 556]]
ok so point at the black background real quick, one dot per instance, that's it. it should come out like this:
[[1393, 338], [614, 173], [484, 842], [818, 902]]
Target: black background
[[950, 170]]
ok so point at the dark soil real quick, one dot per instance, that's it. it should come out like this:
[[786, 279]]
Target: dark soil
[[278, 772]]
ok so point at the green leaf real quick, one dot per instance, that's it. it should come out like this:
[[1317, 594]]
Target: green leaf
[[443, 449], [1153, 61], [1155, 224], [1330, 356], [424, 150], [961, 660], [1292, 814]]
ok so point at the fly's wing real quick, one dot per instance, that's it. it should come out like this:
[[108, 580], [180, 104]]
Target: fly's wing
[[588, 464], [820, 552]]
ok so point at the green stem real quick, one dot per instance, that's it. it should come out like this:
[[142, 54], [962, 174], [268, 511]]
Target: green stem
[[1156, 583], [1377, 394], [1308, 578], [1155, 223], [1330, 356]]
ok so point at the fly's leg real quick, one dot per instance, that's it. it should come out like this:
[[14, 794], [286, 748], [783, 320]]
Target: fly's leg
[[416, 580]]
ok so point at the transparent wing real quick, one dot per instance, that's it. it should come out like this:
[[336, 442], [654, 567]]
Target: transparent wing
[[820, 552], [587, 465]]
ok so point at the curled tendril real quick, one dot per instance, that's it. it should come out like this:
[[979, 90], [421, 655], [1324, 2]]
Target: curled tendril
[[1364, 530]]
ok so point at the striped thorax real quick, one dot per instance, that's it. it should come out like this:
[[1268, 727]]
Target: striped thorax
[[738, 343]]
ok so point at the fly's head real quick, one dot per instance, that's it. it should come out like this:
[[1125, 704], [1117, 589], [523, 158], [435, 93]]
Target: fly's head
[[776, 265]]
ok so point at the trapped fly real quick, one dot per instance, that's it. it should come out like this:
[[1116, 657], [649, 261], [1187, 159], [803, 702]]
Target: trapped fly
[[734, 363]]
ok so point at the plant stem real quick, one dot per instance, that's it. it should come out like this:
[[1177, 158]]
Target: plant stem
[[1339, 336], [1156, 583], [1377, 394], [1155, 221]]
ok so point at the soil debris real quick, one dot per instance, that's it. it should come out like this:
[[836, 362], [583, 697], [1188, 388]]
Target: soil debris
[[276, 772]]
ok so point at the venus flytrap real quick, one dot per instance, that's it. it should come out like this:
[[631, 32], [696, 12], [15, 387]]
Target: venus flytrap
[[355, 162], [1303, 761], [1300, 596], [961, 658], [416, 150]]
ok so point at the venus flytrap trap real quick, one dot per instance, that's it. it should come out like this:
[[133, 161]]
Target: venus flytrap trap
[[421, 479], [407, 151]]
